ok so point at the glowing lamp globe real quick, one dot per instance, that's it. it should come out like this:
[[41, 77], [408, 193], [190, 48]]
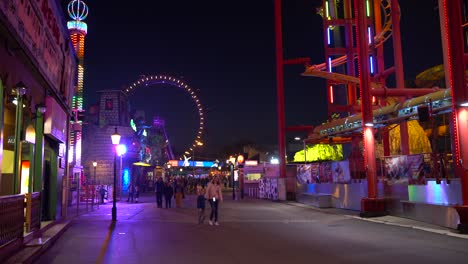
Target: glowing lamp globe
[[240, 159], [121, 149], [115, 138], [77, 10]]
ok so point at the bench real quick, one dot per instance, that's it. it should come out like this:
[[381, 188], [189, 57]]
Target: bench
[[320, 200]]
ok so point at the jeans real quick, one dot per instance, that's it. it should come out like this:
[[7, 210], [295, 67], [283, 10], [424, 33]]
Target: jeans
[[214, 210], [168, 201], [201, 215], [159, 199], [179, 199]]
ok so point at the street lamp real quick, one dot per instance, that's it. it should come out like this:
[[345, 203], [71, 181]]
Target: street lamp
[[168, 174], [240, 164], [94, 165], [94, 184], [305, 151], [115, 141], [20, 89], [121, 150]]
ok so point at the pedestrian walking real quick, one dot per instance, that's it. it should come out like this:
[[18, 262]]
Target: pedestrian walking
[[137, 193], [201, 204], [179, 192], [131, 191], [159, 189], [214, 196], [168, 193], [102, 192]]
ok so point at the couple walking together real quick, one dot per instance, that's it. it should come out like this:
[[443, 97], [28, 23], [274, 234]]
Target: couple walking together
[[214, 195]]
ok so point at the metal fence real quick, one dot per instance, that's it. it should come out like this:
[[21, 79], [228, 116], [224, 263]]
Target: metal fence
[[11, 224]]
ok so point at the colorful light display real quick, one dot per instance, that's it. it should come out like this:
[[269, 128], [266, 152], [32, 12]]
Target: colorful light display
[[78, 11], [163, 79]]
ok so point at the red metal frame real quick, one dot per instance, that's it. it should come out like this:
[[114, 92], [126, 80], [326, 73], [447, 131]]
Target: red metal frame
[[280, 89]]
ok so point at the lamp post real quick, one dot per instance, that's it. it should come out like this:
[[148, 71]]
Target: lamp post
[[168, 174], [115, 141], [240, 164], [20, 92], [94, 184], [94, 165], [121, 150]]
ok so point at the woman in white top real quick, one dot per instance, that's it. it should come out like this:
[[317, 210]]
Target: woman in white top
[[214, 195]]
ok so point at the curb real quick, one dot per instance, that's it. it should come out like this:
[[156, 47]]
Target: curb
[[431, 230], [30, 252], [427, 229]]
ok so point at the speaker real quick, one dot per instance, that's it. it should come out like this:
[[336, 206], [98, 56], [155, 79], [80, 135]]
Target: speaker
[[423, 113]]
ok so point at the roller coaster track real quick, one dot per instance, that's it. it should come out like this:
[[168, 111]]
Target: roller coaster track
[[320, 70]]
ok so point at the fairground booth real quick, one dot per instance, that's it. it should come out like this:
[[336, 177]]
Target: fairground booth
[[420, 185]]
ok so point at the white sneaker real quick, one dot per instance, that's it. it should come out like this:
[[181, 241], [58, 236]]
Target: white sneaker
[[211, 222], [216, 223]]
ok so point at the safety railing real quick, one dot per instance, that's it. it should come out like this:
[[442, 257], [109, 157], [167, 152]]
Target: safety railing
[[33, 209], [11, 223]]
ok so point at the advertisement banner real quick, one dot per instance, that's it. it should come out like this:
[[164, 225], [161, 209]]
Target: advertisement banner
[[340, 172], [403, 169], [304, 174], [315, 172], [326, 172], [421, 169]]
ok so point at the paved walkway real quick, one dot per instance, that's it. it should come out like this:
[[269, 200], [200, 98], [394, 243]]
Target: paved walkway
[[251, 231]]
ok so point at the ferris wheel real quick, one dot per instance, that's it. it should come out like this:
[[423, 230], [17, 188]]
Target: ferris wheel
[[172, 81]]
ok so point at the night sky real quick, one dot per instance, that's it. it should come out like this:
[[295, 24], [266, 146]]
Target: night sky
[[226, 51]]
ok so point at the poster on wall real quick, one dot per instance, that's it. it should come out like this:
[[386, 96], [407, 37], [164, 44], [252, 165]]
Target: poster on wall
[[315, 172], [326, 172], [340, 172], [421, 168], [403, 169], [304, 174]]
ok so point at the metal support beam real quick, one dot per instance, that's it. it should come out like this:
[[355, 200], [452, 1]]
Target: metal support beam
[[370, 206], [280, 89]]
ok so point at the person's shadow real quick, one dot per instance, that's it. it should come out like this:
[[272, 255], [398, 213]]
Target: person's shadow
[[105, 245]]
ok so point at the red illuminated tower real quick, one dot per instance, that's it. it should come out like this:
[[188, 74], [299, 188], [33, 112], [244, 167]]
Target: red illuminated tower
[[78, 11]]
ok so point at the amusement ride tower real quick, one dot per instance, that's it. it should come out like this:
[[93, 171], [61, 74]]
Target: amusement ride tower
[[78, 11]]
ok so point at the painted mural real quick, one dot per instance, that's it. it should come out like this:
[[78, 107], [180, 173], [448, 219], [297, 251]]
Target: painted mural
[[268, 188]]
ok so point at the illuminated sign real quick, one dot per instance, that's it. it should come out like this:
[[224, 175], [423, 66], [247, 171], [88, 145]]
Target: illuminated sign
[[188, 163], [173, 163], [251, 163]]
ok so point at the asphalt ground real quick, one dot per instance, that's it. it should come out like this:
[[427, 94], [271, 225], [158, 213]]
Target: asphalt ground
[[250, 231]]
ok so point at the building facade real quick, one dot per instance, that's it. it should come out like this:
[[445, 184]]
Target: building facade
[[37, 78]]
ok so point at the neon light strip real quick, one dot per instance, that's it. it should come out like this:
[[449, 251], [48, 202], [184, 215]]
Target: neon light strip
[[77, 25], [328, 36], [331, 94], [329, 64], [371, 61], [368, 8], [369, 35], [455, 117], [327, 13]]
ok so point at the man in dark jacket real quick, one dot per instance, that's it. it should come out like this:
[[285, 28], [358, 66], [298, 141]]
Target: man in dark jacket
[[168, 193], [102, 192], [159, 189]]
